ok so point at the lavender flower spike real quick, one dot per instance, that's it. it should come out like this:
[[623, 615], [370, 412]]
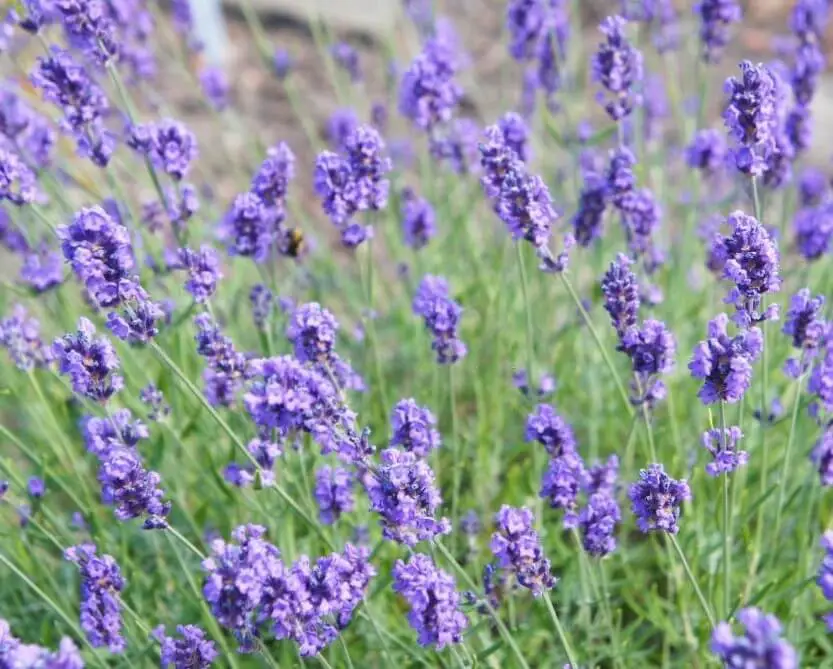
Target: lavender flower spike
[[89, 362], [617, 66], [825, 577], [656, 499], [518, 549], [760, 645], [724, 450], [716, 19]]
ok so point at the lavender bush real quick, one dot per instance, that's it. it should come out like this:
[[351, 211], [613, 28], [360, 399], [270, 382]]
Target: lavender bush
[[302, 409]]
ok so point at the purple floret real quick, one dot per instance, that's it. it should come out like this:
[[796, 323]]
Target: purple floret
[[716, 20], [822, 457], [20, 336], [442, 318], [621, 294], [598, 521], [428, 94], [203, 268], [312, 331], [561, 484], [168, 144], [418, 219], [18, 183]]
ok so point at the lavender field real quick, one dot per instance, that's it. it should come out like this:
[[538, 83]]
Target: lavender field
[[432, 386]]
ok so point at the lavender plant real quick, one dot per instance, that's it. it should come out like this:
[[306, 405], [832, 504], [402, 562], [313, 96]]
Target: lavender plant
[[272, 394]]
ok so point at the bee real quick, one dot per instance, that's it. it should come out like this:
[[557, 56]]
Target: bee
[[295, 244]]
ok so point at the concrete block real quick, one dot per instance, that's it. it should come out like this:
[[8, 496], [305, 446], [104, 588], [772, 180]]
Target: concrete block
[[376, 17]]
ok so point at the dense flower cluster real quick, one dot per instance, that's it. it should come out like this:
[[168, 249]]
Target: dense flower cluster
[[355, 183], [89, 362], [561, 484], [251, 228], [597, 521], [14, 653], [428, 93], [271, 181], [262, 455], [403, 492], [98, 249], [203, 269], [760, 645], [414, 428], [442, 318], [725, 363], [226, 367], [434, 600], [749, 258], [538, 33], [550, 430], [101, 586], [191, 651], [617, 67], [707, 151], [67, 84], [656, 499], [813, 227], [750, 117], [250, 590], [621, 294], [589, 217], [822, 456], [517, 547]]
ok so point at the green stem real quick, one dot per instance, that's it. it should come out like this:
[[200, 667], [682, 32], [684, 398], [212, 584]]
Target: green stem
[[530, 341], [703, 603], [785, 463], [559, 628], [599, 344], [727, 521], [457, 465]]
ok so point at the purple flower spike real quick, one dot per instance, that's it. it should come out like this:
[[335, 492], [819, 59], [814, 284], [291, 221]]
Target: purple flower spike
[[807, 329], [707, 152], [588, 219], [621, 294], [598, 521], [98, 249], [724, 450], [656, 499], [414, 428], [716, 19], [760, 645], [749, 258], [251, 228], [15, 653], [725, 363], [418, 220], [333, 493], [89, 362], [215, 87], [518, 550], [813, 228], [101, 585], [516, 134], [191, 651], [271, 181], [428, 94], [750, 117], [312, 330], [442, 318], [42, 269], [434, 601], [550, 430], [203, 272], [168, 144], [617, 66], [651, 348], [403, 492], [348, 59], [561, 484]]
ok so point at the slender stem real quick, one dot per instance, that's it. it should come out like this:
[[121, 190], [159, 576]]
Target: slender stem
[[457, 465], [785, 463], [530, 340], [562, 635], [505, 633], [703, 603], [646, 416], [602, 349], [185, 542], [366, 275], [727, 521]]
